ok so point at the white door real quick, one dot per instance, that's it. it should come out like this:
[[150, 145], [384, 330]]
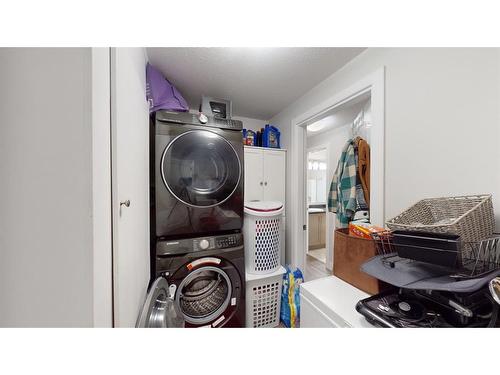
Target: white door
[[274, 176], [130, 182], [254, 180]]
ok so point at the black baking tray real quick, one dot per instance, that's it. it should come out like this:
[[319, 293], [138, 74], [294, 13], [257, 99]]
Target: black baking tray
[[435, 248]]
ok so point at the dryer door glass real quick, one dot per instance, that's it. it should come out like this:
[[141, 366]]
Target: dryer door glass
[[200, 168], [204, 295]]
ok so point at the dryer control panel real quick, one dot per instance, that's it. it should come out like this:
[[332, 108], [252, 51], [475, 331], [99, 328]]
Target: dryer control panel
[[191, 245]]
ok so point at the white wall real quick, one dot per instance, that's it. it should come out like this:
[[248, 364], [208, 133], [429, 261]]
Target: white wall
[[46, 231], [251, 123], [442, 121]]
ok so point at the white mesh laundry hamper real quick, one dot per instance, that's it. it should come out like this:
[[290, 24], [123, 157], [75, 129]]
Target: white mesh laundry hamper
[[262, 236], [263, 299]]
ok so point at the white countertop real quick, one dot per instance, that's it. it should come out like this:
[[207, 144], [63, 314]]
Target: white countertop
[[315, 210], [336, 299]]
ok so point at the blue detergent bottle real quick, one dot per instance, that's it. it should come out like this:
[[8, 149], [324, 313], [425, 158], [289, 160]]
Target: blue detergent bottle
[[271, 137]]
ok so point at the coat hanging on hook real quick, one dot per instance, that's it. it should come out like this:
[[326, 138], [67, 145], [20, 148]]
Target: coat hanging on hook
[[349, 191]]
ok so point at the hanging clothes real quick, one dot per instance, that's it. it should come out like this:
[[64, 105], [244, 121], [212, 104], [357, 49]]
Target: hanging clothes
[[362, 208], [364, 167], [342, 195], [347, 195]]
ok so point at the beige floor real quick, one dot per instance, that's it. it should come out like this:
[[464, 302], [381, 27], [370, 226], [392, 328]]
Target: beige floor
[[319, 254], [315, 269]]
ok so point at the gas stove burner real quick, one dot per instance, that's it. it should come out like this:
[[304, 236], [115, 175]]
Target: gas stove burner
[[409, 309]]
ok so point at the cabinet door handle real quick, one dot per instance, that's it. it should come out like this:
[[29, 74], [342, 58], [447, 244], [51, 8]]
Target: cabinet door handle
[[265, 183], [125, 203], [261, 183]]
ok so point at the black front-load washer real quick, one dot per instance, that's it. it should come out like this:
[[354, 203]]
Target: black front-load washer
[[196, 175], [206, 277]]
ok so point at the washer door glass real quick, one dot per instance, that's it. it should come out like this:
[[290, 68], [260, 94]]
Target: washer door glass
[[159, 310], [200, 168], [204, 295]]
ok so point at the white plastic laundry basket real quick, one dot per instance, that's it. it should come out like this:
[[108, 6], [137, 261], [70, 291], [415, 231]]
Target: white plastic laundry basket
[[263, 299], [262, 236]]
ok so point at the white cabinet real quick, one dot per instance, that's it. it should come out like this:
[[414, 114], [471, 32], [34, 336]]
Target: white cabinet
[[265, 174], [317, 232], [274, 175], [254, 185], [330, 303], [265, 179]]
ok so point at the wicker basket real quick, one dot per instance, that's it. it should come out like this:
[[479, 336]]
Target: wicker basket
[[470, 217]]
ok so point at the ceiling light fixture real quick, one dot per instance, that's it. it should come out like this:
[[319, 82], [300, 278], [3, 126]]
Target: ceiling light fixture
[[321, 124], [317, 126]]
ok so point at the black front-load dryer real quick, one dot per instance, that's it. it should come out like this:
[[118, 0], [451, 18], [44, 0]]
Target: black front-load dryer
[[197, 175], [206, 277]]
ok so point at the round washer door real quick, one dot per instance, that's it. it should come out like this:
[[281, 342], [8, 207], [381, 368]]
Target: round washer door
[[200, 168], [159, 310], [204, 294]]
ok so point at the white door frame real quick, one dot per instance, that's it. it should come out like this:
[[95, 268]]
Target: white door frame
[[101, 188], [375, 84]]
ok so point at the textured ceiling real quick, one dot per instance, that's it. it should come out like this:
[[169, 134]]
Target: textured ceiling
[[261, 82]]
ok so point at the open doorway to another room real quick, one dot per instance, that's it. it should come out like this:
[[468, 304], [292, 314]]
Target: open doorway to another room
[[326, 138], [317, 207]]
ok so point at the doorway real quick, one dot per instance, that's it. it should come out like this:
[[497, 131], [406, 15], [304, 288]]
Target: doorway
[[370, 88], [317, 166], [326, 138]]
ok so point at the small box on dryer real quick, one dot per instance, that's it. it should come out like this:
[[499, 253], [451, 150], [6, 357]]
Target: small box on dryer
[[218, 108]]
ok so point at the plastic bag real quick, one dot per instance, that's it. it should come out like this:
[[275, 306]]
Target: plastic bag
[[290, 298]]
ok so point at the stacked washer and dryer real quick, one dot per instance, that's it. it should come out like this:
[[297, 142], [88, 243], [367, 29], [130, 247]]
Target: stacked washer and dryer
[[197, 252]]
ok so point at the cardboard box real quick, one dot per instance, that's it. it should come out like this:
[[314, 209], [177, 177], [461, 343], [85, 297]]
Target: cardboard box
[[363, 230], [349, 254]]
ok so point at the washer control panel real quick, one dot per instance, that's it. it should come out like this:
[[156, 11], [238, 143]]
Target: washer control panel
[[204, 243], [221, 242], [191, 245], [227, 241]]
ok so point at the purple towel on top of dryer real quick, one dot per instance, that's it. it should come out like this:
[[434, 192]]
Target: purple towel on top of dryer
[[161, 94]]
